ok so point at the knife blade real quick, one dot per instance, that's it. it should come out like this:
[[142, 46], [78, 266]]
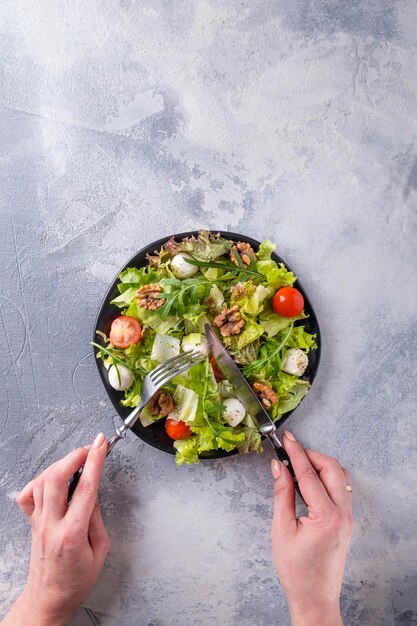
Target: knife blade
[[248, 398]]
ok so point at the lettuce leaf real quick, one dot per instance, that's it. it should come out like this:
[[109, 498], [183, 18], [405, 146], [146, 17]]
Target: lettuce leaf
[[154, 321], [266, 248], [245, 355], [196, 325], [206, 439], [300, 338], [206, 247], [292, 399], [132, 395], [126, 297], [276, 276], [186, 403], [249, 334], [252, 441], [187, 450], [272, 323], [249, 298], [282, 383], [134, 275], [131, 280]]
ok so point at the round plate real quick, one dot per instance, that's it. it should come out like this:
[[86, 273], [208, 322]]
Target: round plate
[[155, 434]]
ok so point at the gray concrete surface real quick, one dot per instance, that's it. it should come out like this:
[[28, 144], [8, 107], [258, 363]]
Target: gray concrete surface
[[123, 121]]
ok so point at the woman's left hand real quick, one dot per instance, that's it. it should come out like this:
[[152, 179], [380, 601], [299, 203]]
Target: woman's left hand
[[69, 543]]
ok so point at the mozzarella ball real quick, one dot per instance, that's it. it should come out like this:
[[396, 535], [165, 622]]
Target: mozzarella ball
[[126, 377], [295, 362], [234, 412], [181, 268]]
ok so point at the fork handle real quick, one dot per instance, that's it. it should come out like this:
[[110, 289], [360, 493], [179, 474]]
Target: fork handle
[[75, 478]]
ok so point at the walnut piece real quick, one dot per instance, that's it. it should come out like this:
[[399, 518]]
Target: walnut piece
[[161, 404], [242, 290], [229, 321], [146, 297], [266, 394], [245, 251]]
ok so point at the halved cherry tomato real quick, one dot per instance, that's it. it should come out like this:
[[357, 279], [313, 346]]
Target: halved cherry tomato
[[288, 302], [177, 429], [218, 374], [124, 331]]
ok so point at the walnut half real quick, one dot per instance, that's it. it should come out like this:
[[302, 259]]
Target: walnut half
[[245, 251], [161, 404], [146, 297], [229, 321], [266, 394]]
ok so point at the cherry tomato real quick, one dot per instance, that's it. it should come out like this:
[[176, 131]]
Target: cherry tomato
[[124, 331], [176, 429], [218, 374], [288, 302]]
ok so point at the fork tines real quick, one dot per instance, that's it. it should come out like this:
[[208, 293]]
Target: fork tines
[[175, 366]]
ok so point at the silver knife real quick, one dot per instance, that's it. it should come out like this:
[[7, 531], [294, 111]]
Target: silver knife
[[245, 394]]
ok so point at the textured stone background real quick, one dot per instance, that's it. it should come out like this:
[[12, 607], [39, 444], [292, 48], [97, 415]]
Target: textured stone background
[[124, 121]]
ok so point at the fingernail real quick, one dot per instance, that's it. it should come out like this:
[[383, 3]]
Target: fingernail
[[276, 468], [87, 447], [289, 435], [98, 441]]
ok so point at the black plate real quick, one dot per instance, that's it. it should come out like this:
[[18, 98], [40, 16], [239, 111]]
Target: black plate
[[155, 434]]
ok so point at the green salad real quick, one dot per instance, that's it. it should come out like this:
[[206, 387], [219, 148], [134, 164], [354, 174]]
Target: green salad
[[249, 300]]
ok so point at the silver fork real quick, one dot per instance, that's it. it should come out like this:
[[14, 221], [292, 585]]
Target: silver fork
[[153, 381]]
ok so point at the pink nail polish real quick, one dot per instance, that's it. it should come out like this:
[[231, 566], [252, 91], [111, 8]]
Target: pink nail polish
[[276, 468], [289, 435]]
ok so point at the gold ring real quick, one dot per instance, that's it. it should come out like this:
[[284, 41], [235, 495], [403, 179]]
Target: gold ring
[[349, 488]]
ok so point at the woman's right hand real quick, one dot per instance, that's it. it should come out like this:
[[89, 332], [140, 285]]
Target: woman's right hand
[[310, 552]]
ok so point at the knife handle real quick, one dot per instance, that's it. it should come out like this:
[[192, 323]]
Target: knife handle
[[285, 459]]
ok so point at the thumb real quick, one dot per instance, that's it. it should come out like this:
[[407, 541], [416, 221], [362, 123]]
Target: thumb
[[284, 520]]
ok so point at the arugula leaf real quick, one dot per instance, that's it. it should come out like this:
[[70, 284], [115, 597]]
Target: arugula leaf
[[240, 270], [270, 350], [183, 297]]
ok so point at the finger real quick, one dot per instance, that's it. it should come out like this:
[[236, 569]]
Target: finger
[[85, 495], [38, 487], [97, 534], [348, 482], [25, 500], [56, 483], [311, 487], [284, 520], [331, 475]]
